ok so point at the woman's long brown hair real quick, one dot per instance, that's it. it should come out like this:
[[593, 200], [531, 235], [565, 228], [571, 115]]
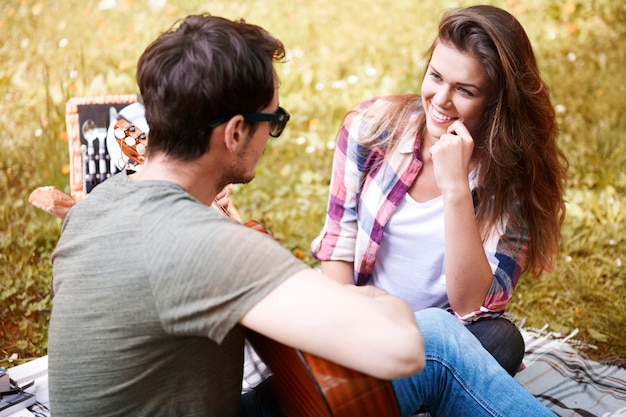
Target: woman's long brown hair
[[521, 170]]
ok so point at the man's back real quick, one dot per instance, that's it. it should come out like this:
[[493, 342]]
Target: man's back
[[141, 325]]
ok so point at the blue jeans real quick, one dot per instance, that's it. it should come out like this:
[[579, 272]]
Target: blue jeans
[[461, 378]]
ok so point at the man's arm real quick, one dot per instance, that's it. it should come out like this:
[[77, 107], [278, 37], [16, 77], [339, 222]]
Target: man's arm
[[362, 328]]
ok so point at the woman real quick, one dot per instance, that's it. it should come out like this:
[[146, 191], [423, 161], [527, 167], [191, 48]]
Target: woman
[[445, 199]]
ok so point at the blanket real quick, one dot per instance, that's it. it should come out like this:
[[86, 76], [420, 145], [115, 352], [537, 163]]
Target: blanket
[[556, 372], [567, 381]]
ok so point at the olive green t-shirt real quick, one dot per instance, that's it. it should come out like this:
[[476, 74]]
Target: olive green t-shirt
[[149, 287]]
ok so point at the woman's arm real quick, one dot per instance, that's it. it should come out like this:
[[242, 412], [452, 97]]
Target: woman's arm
[[340, 271], [468, 273], [337, 239]]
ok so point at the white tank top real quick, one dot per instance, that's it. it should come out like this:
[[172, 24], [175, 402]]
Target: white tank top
[[410, 261]]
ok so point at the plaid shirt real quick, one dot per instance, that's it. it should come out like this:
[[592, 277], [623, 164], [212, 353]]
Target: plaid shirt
[[366, 189]]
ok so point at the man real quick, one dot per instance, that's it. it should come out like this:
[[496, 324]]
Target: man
[[153, 288]]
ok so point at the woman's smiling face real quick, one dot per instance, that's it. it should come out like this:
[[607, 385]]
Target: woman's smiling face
[[455, 87]]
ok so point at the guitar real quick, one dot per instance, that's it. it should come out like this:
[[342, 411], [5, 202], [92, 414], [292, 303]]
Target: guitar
[[306, 385]]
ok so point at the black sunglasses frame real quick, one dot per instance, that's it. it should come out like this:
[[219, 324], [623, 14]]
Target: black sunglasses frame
[[277, 120]]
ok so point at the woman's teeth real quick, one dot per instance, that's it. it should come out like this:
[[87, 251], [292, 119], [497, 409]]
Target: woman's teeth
[[441, 117]]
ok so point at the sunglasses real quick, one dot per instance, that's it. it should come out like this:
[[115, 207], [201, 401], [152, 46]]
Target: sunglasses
[[277, 120]]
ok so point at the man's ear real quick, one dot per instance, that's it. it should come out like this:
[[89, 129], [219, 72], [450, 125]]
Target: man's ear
[[234, 133]]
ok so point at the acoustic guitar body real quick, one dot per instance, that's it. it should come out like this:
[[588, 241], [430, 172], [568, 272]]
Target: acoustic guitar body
[[308, 386]]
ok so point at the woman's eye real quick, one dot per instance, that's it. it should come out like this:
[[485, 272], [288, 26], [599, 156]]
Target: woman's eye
[[435, 76], [465, 92]]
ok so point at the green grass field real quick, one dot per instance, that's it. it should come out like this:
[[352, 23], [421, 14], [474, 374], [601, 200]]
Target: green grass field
[[340, 53]]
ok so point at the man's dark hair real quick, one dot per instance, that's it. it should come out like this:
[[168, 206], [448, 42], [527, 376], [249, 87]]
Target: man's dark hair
[[204, 68]]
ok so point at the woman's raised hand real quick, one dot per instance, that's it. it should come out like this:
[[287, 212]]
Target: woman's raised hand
[[451, 156]]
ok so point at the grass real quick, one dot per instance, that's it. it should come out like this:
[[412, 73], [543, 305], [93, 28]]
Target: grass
[[340, 53]]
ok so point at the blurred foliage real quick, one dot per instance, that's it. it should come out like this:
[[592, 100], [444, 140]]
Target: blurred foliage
[[339, 53]]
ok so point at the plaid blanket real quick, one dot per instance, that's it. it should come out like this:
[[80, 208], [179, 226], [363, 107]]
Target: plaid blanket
[[566, 381]]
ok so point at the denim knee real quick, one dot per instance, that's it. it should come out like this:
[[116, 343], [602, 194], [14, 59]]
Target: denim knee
[[444, 335]]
